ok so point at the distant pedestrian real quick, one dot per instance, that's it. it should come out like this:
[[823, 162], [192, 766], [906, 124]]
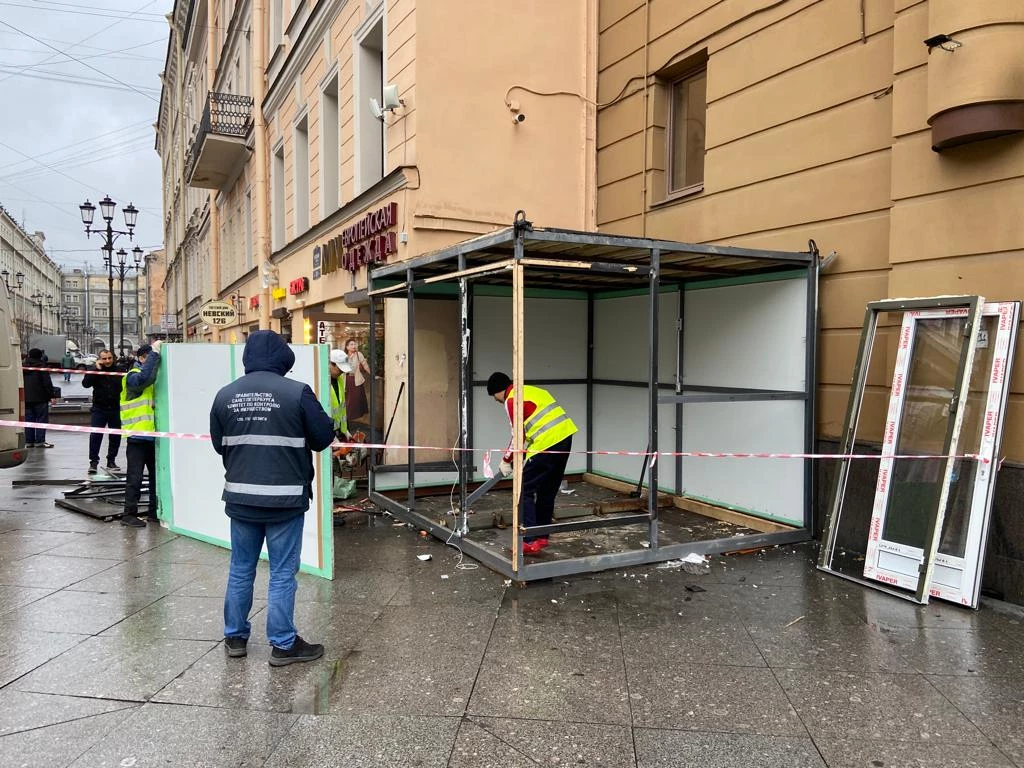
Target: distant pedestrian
[[106, 409], [138, 414], [39, 393], [67, 363], [265, 426]]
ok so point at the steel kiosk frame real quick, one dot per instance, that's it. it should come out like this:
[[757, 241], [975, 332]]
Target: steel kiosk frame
[[591, 262]]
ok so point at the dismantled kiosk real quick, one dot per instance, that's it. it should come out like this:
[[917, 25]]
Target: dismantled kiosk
[[659, 351]]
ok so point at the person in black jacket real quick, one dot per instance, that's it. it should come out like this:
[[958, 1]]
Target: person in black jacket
[[39, 391], [106, 409], [265, 426]]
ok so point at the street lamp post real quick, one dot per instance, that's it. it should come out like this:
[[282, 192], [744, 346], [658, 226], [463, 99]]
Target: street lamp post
[[120, 269], [109, 235], [19, 321], [37, 299]]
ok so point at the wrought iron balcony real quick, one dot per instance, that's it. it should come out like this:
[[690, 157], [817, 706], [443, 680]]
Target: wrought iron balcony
[[218, 149]]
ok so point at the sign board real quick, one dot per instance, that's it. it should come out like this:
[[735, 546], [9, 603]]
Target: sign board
[[218, 313], [368, 241]]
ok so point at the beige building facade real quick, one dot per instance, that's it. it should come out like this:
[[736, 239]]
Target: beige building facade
[[359, 134], [769, 124]]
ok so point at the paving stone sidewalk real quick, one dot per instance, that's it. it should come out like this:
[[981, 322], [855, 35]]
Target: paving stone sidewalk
[[111, 655]]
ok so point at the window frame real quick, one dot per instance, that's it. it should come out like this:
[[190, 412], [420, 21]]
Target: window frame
[[671, 85]]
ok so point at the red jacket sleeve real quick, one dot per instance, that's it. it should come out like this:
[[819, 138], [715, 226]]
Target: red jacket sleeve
[[528, 408]]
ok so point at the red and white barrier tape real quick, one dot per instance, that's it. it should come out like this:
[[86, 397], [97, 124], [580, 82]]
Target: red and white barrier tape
[[488, 451], [73, 370]]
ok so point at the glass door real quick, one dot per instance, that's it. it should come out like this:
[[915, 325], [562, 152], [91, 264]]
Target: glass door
[[926, 411]]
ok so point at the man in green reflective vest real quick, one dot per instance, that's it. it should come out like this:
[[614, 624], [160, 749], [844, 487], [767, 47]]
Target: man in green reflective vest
[[338, 367], [138, 414], [547, 438]]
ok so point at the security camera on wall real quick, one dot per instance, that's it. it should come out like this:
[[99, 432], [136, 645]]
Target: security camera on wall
[[391, 100]]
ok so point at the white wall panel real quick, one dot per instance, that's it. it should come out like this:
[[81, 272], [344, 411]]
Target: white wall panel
[[556, 337], [620, 424], [771, 487], [751, 336], [621, 330]]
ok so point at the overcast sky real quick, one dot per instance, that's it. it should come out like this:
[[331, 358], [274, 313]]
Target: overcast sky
[[73, 127]]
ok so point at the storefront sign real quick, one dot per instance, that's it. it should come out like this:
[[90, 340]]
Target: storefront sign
[[218, 313], [368, 241], [254, 302], [298, 285], [279, 294]]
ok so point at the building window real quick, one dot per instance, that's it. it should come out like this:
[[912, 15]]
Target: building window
[[329, 145], [370, 84], [301, 176], [276, 24], [685, 135], [277, 198]]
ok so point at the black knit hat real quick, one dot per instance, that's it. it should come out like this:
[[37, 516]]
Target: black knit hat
[[143, 349], [498, 382]]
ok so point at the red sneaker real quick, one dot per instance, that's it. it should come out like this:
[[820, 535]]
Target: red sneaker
[[535, 546]]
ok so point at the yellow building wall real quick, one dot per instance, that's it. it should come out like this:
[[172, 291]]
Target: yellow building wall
[[817, 127]]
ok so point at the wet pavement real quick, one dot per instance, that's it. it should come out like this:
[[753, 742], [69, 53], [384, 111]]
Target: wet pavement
[[112, 656]]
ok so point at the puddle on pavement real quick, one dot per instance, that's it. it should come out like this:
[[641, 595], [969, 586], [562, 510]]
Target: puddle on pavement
[[316, 700]]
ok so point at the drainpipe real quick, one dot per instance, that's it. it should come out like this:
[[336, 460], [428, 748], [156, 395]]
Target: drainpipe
[[261, 166], [647, 107], [212, 59]]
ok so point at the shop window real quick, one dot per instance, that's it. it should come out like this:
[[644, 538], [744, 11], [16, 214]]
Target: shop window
[[687, 118]]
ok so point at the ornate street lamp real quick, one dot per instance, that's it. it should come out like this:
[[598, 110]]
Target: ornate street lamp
[[109, 235]]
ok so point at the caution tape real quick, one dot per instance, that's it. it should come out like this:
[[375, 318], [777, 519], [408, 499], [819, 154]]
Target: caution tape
[[654, 455], [73, 370]]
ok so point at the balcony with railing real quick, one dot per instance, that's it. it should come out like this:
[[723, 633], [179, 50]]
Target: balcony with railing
[[219, 150]]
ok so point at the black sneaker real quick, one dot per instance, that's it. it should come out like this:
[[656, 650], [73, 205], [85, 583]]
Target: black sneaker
[[113, 466], [235, 646], [132, 521], [92, 467], [300, 651]]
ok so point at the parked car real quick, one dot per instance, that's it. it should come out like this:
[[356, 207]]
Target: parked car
[[85, 361], [12, 387]]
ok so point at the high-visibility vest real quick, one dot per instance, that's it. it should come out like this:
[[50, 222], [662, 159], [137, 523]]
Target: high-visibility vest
[[338, 413], [139, 413], [548, 425]]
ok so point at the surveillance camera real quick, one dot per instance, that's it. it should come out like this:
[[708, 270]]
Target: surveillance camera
[[518, 117]]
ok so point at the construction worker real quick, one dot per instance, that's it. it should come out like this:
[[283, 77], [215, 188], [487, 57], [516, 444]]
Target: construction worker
[[138, 414], [547, 439], [338, 367]]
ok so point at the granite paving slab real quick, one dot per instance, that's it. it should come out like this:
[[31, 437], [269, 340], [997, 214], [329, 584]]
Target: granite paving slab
[[164, 735], [902, 754], [130, 669], [670, 749], [21, 711], [86, 613], [58, 745]]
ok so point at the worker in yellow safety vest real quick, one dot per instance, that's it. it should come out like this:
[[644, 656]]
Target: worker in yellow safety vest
[[138, 414], [547, 434], [338, 367]]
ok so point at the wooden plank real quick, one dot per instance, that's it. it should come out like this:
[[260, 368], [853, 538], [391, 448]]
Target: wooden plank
[[621, 486], [728, 515]]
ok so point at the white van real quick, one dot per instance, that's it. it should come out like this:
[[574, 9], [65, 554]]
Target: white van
[[12, 387]]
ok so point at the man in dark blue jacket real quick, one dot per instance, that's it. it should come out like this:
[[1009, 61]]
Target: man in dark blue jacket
[[265, 426]]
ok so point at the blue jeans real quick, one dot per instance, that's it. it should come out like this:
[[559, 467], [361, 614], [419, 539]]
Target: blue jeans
[[284, 543], [40, 414]]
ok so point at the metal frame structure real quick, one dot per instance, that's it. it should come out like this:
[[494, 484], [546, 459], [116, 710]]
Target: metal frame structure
[[590, 262]]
